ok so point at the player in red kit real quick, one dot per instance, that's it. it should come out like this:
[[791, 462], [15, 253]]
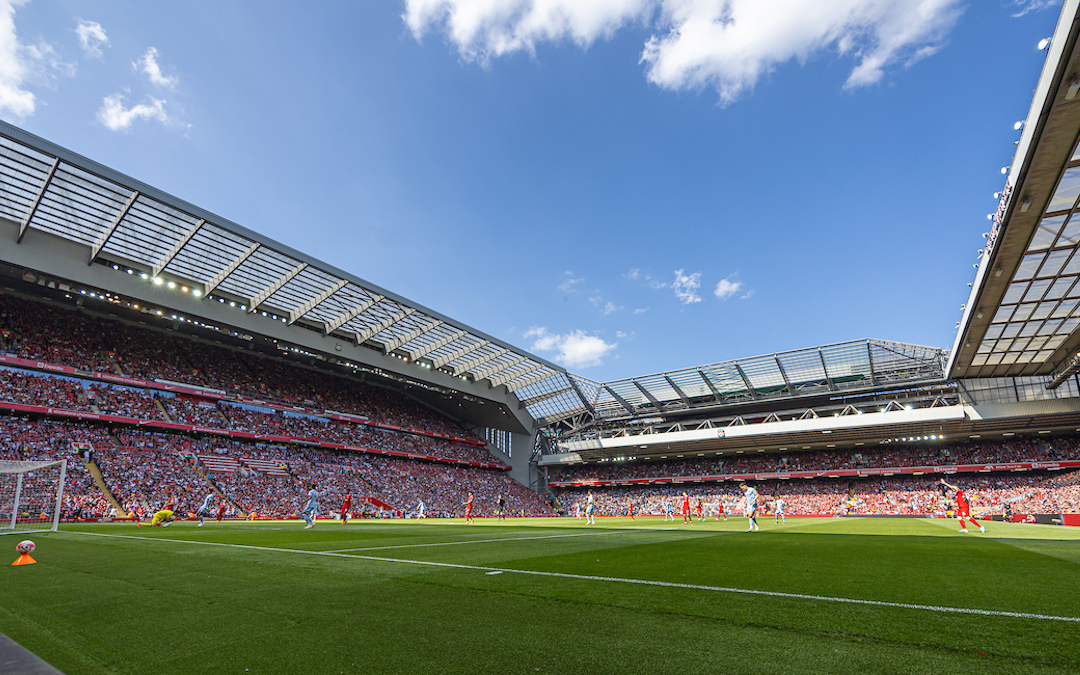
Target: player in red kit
[[631, 509], [686, 509], [468, 508], [345, 509], [963, 509], [221, 512]]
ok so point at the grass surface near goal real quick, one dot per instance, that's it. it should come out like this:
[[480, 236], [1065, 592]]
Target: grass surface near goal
[[442, 596]]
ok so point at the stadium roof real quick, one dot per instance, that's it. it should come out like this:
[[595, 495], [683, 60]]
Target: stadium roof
[[1023, 314], [119, 219], [842, 367]]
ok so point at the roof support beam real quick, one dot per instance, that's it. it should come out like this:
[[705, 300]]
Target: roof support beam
[[432, 346], [826, 370], [652, 399], [712, 387], [265, 293], [514, 386], [479, 361], [870, 357], [108, 233], [171, 253], [540, 398], [746, 381], [622, 401], [455, 355], [209, 286], [679, 391], [371, 331], [25, 224], [506, 377], [342, 319], [303, 309], [783, 374], [410, 336], [487, 373]]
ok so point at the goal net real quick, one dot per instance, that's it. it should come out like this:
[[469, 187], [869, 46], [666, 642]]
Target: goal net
[[30, 495]]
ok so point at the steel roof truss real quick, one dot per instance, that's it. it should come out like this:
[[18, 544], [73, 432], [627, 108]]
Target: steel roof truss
[[410, 336], [265, 293], [25, 224], [514, 386], [455, 355], [712, 387], [746, 381], [228, 269], [108, 233], [303, 309], [479, 361], [488, 372], [783, 374], [540, 398], [652, 399], [370, 332], [432, 346], [622, 401], [507, 377], [678, 390], [826, 369], [171, 253], [348, 316]]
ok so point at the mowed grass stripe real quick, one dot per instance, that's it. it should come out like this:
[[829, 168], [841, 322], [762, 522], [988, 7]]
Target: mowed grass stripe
[[609, 579]]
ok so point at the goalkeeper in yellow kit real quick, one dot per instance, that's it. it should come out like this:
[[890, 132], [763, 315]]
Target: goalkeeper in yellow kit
[[163, 518]]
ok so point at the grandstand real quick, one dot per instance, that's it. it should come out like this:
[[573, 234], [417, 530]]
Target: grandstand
[[133, 320]]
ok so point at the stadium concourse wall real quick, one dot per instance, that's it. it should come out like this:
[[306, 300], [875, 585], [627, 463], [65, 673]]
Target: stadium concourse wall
[[51, 255]]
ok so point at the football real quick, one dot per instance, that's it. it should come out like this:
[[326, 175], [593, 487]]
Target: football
[[25, 546]]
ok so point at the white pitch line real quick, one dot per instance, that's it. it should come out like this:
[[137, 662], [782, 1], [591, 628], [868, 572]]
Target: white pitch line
[[639, 582], [476, 541]]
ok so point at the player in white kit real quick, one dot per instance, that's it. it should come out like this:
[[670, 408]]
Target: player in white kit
[[750, 505], [778, 507], [590, 508], [204, 508], [311, 509], [420, 509]]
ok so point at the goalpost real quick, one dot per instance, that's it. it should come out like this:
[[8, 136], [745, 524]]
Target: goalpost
[[30, 495]]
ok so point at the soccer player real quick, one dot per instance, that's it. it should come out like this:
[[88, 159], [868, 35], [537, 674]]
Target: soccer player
[[500, 509], [577, 510], [750, 506], [345, 506], [963, 509], [720, 511], [204, 508], [699, 510], [631, 509], [311, 509], [420, 509], [668, 511], [590, 509], [778, 507], [221, 511], [163, 518], [686, 509], [468, 508]]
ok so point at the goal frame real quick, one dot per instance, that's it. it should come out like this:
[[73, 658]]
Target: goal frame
[[19, 469]]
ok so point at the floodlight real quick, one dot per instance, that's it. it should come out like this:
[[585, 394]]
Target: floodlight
[[1004, 170], [1019, 125], [1044, 43], [158, 281]]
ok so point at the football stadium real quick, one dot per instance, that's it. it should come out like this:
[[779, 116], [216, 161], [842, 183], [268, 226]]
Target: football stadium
[[231, 456]]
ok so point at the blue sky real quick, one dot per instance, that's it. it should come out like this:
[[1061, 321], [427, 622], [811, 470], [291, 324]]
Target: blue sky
[[625, 186]]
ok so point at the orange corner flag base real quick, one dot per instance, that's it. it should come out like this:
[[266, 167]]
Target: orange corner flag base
[[24, 559]]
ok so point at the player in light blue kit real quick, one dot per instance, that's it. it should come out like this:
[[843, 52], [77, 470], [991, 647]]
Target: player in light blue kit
[[311, 508], [204, 508], [779, 509], [750, 495], [420, 509], [590, 508]]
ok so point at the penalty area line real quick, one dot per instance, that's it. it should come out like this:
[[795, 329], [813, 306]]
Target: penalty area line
[[476, 541], [940, 609]]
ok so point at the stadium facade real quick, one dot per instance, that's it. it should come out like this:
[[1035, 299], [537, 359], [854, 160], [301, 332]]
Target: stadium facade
[[72, 227]]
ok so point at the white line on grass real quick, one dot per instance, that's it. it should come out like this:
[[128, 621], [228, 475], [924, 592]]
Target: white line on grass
[[621, 580], [478, 541]]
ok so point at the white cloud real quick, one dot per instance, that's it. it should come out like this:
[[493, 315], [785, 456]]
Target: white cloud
[[570, 283], [114, 115], [725, 44], [14, 70], [92, 38], [641, 310], [644, 278], [686, 287], [1025, 6], [624, 336], [148, 64], [727, 288], [575, 349], [610, 307]]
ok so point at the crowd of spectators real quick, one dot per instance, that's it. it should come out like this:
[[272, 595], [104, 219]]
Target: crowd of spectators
[[39, 332], [893, 455]]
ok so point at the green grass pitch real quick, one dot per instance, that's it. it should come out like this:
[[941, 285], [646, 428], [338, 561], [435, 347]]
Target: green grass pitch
[[445, 597]]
